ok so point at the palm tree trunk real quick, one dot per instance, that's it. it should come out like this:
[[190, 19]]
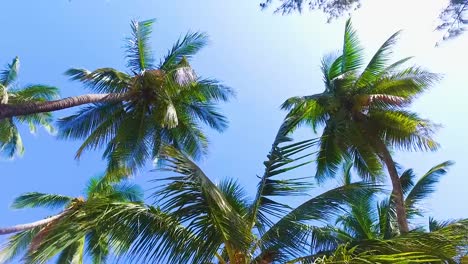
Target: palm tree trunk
[[397, 191], [9, 110], [23, 227]]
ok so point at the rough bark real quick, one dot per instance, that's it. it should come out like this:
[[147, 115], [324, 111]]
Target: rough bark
[[23, 227], [9, 110], [397, 191]]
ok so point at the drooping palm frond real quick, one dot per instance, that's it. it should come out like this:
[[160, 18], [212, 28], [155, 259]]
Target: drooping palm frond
[[139, 57], [194, 199], [282, 158], [17, 245]]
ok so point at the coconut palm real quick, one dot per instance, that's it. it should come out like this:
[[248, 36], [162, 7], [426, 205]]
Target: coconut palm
[[198, 221], [364, 112], [370, 223], [11, 143], [95, 242], [115, 86], [158, 103]]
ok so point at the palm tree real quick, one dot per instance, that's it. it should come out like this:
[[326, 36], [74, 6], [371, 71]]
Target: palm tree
[[95, 242], [365, 113], [172, 73], [10, 139], [158, 104], [198, 221], [370, 224]]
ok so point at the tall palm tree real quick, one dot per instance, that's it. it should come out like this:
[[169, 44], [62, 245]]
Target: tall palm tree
[[164, 103], [95, 242], [198, 221], [115, 86], [364, 112], [10, 138]]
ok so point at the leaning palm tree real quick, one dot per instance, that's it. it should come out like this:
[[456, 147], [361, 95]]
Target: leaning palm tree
[[198, 221], [10, 138], [364, 112], [153, 103], [95, 242]]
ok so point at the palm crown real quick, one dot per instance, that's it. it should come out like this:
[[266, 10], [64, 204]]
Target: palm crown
[[163, 103], [95, 242], [11, 143], [364, 112]]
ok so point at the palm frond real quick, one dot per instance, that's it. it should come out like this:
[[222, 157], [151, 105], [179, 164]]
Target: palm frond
[[196, 200], [288, 233], [73, 254], [352, 56], [34, 93], [378, 63], [139, 57], [425, 186], [17, 245], [9, 75], [186, 47], [103, 80], [36, 199], [281, 159], [11, 143]]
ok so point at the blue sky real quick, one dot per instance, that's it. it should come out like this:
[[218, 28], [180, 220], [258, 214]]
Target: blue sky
[[266, 58]]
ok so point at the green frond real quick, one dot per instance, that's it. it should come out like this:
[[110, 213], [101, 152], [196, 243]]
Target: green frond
[[407, 83], [33, 93], [139, 57], [17, 245], [11, 143], [235, 195], [73, 254], [425, 186], [281, 159], [378, 63], [407, 181], [289, 232], [194, 199], [103, 80], [435, 225], [404, 129], [36, 199], [188, 46], [9, 75], [352, 56]]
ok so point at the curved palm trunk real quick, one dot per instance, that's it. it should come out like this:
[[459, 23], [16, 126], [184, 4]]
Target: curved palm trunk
[[397, 191], [23, 227], [8, 110]]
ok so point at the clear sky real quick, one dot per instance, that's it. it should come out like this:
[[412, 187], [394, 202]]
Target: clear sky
[[266, 58]]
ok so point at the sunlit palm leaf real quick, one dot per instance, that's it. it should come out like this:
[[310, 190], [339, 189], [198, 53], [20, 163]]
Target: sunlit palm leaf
[[139, 57]]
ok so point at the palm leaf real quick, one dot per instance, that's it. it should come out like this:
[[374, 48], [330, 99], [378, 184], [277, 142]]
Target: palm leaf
[[17, 245], [425, 186], [36, 199], [186, 47], [9, 75], [103, 80], [139, 57]]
